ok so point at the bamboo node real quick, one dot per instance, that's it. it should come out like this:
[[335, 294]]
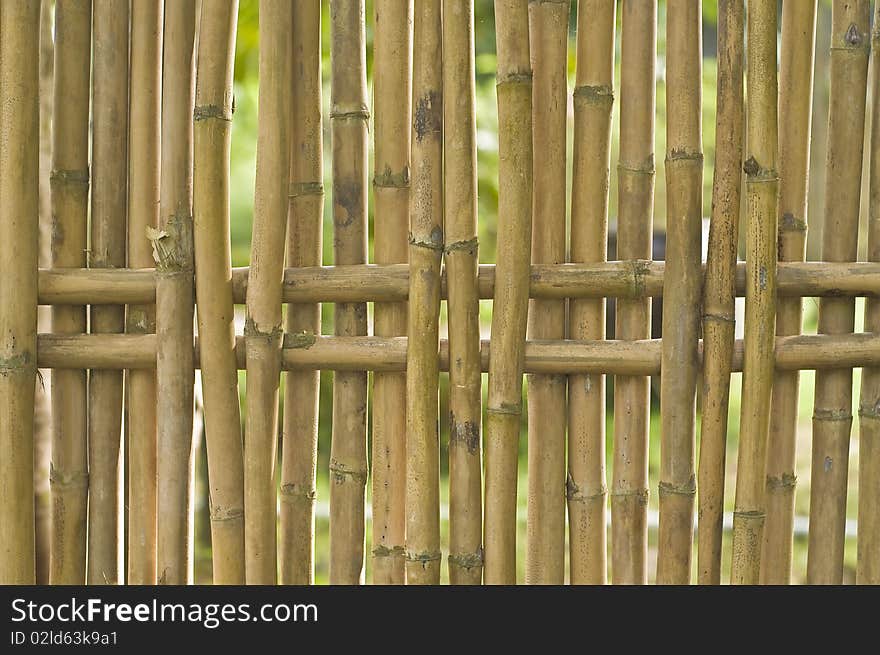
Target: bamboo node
[[350, 115], [749, 514], [790, 223], [251, 329], [641, 495], [869, 410], [820, 414], [505, 409], [469, 246], [205, 112], [435, 243], [756, 173], [298, 189], [385, 551], [172, 245], [428, 116], [388, 179], [14, 363], [720, 318], [61, 480], [683, 155], [689, 488], [303, 340], [645, 168], [340, 473], [639, 268], [220, 514], [424, 557], [70, 177], [573, 492], [594, 94], [516, 77], [292, 491], [785, 481], [466, 561]]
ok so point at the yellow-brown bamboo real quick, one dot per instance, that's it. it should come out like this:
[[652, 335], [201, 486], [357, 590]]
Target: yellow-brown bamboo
[[681, 286], [635, 185], [832, 412], [510, 303], [304, 214], [70, 196], [462, 258], [212, 138], [795, 104], [19, 235]]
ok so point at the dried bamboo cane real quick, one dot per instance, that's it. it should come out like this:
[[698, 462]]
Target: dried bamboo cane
[[143, 213], [263, 327], [462, 258], [548, 34], [832, 413], [795, 105], [720, 289], [305, 211], [173, 252], [107, 250], [632, 402], [70, 196], [212, 137], [349, 117], [392, 101], [425, 255], [510, 306], [682, 290], [19, 236]]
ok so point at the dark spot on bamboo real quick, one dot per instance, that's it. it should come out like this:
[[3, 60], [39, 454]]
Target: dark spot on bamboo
[[466, 433], [428, 117], [762, 278], [853, 37], [751, 167], [829, 464], [348, 196]]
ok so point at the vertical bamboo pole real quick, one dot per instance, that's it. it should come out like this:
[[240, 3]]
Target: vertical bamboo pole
[[349, 118], [548, 34], [795, 109], [304, 220], [263, 326], [392, 101], [70, 196], [832, 413], [720, 289], [681, 288], [143, 214], [212, 138], [19, 236], [510, 303], [425, 255], [107, 250], [462, 258], [632, 400], [174, 299]]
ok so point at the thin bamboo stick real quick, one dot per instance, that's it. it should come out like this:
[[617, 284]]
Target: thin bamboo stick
[[263, 327], [462, 258], [305, 211], [174, 299], [70, 196], [510, 306], [635, 174], [19, 235], [832, 413], [212, 138], [795, 105], [681, 327], [425, 256], [348, 454], [548, 34], [392, 101]]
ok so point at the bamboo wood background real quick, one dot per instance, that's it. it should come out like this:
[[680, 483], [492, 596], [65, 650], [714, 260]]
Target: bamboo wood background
[[139, 188]]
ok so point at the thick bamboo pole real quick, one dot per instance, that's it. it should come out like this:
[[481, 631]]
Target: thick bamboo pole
[[212, 138], [720, 289], [143, 213], [632, 401], [462, 258], [263, 326], [681, 286], [349, 117], [304, 214], [70, 196], [510, 308], [761, 236], [832, 413], [548, 34], [19, 236], [795, 110], [392, 103], [173, 252]]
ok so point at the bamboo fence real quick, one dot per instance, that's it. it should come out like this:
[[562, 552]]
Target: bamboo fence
[[143, 294]]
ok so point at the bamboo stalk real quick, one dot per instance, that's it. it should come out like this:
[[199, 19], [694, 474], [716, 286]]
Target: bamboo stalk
[[795, 105], [832, 413], [305, 211], [392, 100], [548, 34], [212, 138], [19, 234], [70, 197], [263, 327], [425, 256], [349, 117], [635, 174], [174, 299], [462, 259], [510, 304], [681, 286]]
